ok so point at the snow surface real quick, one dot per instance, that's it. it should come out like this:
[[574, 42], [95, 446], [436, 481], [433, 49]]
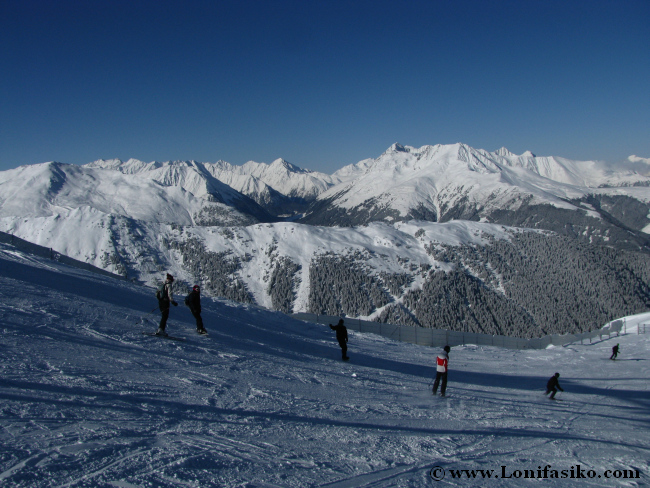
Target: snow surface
[[264, 401]]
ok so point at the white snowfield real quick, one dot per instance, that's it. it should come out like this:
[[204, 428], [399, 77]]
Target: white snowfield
[[87, 400]]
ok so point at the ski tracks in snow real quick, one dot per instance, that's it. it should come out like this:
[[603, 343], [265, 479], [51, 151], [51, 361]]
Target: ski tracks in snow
[[86, 400]]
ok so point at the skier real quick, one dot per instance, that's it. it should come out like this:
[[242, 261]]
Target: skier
[[614, 352], [165, 298], [193, 301], [553, 386], [442, 362], [342, 337]]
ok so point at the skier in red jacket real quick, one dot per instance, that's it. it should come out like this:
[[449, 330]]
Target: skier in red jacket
[[441, 371]]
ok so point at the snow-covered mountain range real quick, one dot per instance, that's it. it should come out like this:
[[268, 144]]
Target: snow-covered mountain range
[[451, 182], [367, 241], [278, 187], [435, 183]]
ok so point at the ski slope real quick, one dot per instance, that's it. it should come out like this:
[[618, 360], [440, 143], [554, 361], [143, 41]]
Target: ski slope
[[87, 400]]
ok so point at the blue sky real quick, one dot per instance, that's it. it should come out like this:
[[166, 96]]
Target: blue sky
[[321, 84]]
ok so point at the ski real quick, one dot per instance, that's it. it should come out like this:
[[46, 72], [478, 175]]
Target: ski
[[153, 334]]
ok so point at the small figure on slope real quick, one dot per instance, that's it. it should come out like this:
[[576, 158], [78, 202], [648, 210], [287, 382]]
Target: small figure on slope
[[553, 386], [193, 300], [165, 297], [614, 352], [442, 363], [342, 337]]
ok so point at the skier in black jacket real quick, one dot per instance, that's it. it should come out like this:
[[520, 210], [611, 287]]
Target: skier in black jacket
[[165, 298], [342, 337], [614, 352], [194, 302], [553, 386]]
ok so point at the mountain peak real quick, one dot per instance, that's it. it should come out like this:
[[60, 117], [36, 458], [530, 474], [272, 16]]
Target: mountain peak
[[131, 166], [281, 163], [397, 147], [287, 166], [504, 152], [507, 153]]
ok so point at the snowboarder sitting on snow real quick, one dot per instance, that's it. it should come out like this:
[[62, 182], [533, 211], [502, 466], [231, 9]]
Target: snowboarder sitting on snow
[[614, 352], [442, 363], [342, 337], [193, 300], [553, 385], [165, 297]]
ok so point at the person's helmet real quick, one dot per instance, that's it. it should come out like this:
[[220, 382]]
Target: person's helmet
[[446, 349], [196, 288], [170, 277]]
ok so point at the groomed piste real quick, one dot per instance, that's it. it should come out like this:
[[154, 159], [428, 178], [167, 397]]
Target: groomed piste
[[265, 401]]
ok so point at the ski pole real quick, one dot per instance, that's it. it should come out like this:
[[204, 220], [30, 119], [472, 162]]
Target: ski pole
[[152, 311], [143, 318]]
